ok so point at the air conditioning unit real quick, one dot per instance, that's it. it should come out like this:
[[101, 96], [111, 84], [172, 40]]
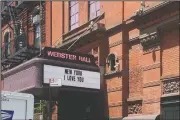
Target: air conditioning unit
[[36, 19]]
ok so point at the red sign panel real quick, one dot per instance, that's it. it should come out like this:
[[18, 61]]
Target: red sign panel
[[57, 54]]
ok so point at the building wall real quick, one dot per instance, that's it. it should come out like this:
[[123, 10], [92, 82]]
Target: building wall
[[137, 83], [144, 67], [170, 53], [57, 21], [25, 16]]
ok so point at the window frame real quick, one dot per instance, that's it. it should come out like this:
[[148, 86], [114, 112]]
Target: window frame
[[74, 15], [89, 9], [35, 33], [112, 58], [7, 44]]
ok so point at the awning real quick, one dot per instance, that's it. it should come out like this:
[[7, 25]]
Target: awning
[[143, 117]]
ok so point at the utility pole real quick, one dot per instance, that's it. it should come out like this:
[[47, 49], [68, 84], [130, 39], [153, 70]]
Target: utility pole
[[49, 105]]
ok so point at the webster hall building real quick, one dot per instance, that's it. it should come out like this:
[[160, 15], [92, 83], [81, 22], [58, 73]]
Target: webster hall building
[[120, 58]]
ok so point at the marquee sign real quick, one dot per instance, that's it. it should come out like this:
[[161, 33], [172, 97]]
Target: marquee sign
[[71, 77], [63, 55]]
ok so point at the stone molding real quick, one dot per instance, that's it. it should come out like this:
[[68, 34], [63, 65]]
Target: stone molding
[[150, 101], [112, 74], [152, 49], [152, 66], [134, 39], [114, 89], [134, 99], [152, 84], [115, 43], [115, 104], [170, 95], [172, 76]]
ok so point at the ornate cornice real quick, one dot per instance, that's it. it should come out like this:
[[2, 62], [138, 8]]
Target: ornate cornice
[[152, 84], [115, 104], [149, 40], [162, 18], [153, 66], [114, 89], [115, 43], [157, 15]]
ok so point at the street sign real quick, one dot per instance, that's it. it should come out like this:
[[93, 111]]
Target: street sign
[[55, 82]]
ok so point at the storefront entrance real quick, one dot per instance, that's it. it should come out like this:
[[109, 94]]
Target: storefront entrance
[[170, 108], [171, 112], [76, 83], [79, 106]]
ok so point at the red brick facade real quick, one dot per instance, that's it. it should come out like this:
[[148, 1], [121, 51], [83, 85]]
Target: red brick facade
[[135, 86], [140, 88]]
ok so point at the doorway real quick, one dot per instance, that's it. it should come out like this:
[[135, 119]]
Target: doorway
[[171, 111], [79, 106]]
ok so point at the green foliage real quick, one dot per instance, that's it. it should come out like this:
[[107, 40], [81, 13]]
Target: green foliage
[[40, 107]]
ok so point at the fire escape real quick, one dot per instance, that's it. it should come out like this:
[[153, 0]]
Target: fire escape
[[17, 50]]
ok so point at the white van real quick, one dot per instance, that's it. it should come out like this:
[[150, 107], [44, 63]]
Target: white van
[[16, 106]]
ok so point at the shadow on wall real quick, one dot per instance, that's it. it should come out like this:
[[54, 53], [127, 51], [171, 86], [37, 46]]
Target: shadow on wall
[[170, 38], [154, 56]]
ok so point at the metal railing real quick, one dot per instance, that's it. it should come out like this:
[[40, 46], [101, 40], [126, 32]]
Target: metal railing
[[4, 4], [12, 46]]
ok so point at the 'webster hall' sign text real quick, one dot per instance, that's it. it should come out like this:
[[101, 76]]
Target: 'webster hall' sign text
[[57, 54]]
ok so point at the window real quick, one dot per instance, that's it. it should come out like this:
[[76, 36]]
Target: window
[[74, 14], [37, 40], [111, 62], [7, 43], [7, 2], [94, 9]]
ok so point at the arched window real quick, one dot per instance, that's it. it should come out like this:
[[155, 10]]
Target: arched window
[[111, 62], [7, 43]]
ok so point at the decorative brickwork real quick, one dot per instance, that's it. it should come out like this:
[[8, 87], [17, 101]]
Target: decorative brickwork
[[135, 79], [171, 86], [152, 84], [153, 66], [135, 108]]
